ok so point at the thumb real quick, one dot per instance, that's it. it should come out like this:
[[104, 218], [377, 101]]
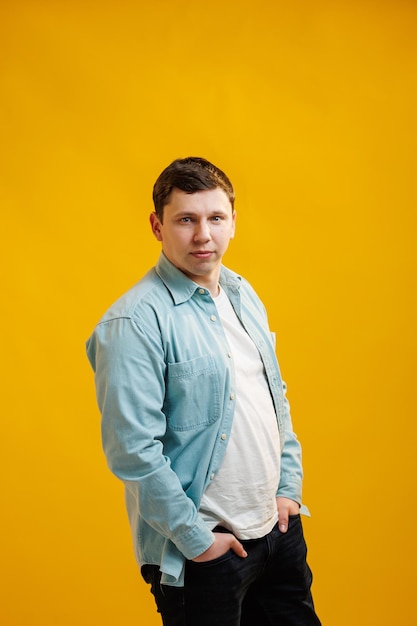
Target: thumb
[[283, 521], [237, 548]]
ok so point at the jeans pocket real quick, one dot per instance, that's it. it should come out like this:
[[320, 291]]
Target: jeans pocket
[[213, 562]]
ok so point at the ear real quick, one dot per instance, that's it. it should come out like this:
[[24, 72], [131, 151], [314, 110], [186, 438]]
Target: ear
[[156, 226], [233, 225]]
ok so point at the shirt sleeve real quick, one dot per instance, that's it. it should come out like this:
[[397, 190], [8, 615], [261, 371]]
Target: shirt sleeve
[[290, 485], [129, 366]]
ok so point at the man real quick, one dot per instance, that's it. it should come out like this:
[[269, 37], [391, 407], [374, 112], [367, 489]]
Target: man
[[196, 424]]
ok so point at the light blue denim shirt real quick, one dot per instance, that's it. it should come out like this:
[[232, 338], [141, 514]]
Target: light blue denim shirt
[[166, 390]]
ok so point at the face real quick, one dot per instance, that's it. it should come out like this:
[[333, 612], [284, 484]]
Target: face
[[196, 232]]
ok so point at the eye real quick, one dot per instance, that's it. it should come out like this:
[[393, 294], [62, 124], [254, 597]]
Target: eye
[[185, 220], [217, 218]]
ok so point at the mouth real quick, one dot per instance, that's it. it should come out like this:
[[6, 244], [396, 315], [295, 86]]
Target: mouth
[[202, 254]]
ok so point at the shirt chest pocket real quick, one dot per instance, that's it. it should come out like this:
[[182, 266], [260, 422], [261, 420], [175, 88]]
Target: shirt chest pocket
[[192, 398]]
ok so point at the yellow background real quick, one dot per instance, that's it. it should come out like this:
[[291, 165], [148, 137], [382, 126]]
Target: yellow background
[[310, 107]]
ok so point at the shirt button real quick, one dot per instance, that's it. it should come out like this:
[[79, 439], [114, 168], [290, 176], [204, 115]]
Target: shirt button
[[201, 291], [224, 437], [229, 354], [232, 396], [211, 476], [213, 318]]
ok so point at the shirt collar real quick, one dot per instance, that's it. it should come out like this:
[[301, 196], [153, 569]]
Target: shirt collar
[[181, 287]]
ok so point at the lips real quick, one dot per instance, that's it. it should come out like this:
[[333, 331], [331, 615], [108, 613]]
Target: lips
[[202, 254]]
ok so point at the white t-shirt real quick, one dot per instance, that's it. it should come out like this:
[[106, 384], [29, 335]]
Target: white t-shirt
[[242, 496]]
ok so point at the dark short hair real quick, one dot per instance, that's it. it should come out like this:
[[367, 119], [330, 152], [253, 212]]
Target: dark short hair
[[191, 174]]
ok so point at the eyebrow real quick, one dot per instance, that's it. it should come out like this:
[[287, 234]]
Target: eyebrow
[[192, 213]]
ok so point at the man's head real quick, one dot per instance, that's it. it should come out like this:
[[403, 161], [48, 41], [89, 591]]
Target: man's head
[[190, 175], [194, 218]]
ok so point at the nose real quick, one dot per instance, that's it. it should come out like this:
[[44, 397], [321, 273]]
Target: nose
[[202, 231]]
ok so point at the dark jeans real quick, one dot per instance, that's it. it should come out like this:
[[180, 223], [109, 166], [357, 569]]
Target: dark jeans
[[271, 586]]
